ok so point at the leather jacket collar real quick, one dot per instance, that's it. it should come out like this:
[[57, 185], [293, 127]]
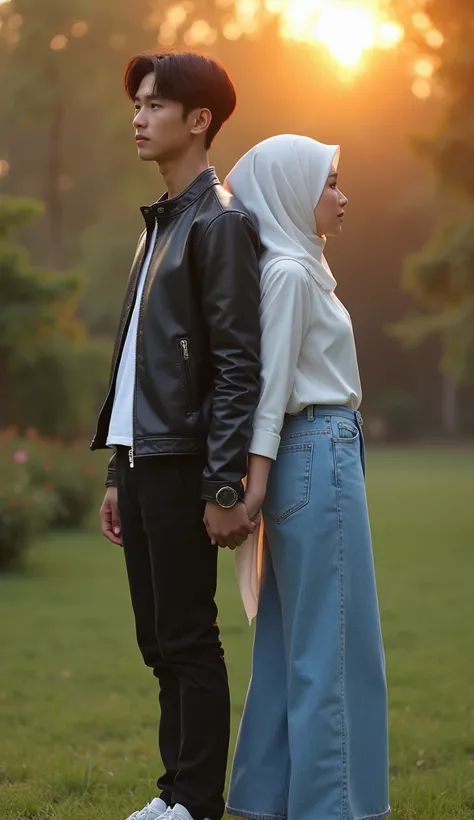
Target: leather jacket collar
[[165, 207]]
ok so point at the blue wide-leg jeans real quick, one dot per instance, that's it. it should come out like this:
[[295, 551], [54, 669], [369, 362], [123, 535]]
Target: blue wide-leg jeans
[[313, 739]]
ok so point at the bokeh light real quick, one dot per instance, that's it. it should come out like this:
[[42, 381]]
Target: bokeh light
[[390, 34], [422, 89], [167, 34], [424, 68], [58, 42], [347, 28], [79, 29], [231, 30], [200, 33], [421, 21], [176, 16], [248, 14], [434, 38]]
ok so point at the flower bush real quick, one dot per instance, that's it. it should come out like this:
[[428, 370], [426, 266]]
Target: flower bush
[[43, 484], [25, 511], [74, 478]]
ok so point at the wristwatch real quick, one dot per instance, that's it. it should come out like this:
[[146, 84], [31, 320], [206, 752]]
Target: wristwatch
[[227, 497]]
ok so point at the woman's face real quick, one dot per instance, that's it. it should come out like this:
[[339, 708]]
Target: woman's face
[[329, 212]]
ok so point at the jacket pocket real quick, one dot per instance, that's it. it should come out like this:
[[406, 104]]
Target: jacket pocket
[[185, 359]]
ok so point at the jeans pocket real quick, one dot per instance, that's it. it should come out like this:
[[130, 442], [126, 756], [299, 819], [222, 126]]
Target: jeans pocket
[[289, 482], [346, 432]]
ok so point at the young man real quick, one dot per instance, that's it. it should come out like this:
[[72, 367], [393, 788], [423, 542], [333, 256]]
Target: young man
[[185, 382]]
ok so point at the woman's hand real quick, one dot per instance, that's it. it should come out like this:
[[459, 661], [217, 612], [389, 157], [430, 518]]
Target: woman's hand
[[253, 501], [257, 478]]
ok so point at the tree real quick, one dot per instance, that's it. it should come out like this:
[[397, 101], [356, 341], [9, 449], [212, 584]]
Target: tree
[[53, 79], [441, 275], [60, 78], [38, 306], [49, 369]]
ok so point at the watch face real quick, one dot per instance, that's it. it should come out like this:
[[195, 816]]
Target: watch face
[[227, 497]]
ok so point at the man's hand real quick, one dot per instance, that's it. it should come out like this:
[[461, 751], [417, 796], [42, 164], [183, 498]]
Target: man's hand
[[109, 517], [228, 528]]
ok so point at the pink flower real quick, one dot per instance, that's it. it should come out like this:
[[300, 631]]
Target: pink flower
[[20, 456]]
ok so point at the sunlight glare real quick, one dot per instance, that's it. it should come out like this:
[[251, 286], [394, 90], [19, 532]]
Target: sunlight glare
[[347, 28], [390, 34], [275, 6]]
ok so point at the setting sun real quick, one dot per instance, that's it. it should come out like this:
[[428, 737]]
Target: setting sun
[[347, 28]]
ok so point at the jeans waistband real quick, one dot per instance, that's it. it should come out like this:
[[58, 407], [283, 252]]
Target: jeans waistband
[[314, 410]]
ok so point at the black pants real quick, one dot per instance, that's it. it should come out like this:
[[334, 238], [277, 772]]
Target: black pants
[[172, 572]]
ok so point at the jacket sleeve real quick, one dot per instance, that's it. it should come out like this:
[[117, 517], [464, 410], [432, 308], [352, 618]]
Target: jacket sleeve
[[230, 292], [111, 480]]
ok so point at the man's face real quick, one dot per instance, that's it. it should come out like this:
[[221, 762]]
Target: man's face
[[161, 131]]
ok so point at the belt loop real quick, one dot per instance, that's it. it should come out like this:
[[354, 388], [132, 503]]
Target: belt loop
[[310, 412], [359, 418]]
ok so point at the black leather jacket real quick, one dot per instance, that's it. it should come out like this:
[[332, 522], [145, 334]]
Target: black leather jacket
[[198, 342]]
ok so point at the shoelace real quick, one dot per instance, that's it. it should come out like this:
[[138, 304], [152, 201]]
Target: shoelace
[[142, 814]]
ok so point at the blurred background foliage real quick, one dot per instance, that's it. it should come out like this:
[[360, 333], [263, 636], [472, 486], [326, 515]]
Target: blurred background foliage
[[391, 82]]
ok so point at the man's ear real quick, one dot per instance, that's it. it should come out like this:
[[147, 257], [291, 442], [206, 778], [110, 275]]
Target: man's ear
[[201, 119]]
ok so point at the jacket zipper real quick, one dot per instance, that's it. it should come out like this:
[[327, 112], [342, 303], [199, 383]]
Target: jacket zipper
[[131, 453], [185, 361]]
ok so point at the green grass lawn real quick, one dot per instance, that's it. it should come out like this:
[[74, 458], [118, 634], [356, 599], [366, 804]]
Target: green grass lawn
[[78, 710]]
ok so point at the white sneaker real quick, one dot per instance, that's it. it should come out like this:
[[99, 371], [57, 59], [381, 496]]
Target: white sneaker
[[178, 812], [152, 811]]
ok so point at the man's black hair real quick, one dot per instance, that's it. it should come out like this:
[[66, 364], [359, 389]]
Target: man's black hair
[[191, 79]]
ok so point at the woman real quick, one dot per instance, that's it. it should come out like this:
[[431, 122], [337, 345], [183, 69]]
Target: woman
[[313, 739]]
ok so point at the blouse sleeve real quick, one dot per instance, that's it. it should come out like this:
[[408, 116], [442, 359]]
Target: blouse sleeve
[[285, 313]]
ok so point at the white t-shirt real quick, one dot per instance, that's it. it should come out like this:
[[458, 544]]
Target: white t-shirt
[[308, 351], [121, 419]]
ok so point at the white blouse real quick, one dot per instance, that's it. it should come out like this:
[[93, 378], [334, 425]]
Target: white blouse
[[308, 351]]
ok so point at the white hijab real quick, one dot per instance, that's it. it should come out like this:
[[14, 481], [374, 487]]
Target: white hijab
[[280, 182]]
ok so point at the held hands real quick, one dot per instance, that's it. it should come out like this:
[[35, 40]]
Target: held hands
[[110, 518], [228, 528]]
